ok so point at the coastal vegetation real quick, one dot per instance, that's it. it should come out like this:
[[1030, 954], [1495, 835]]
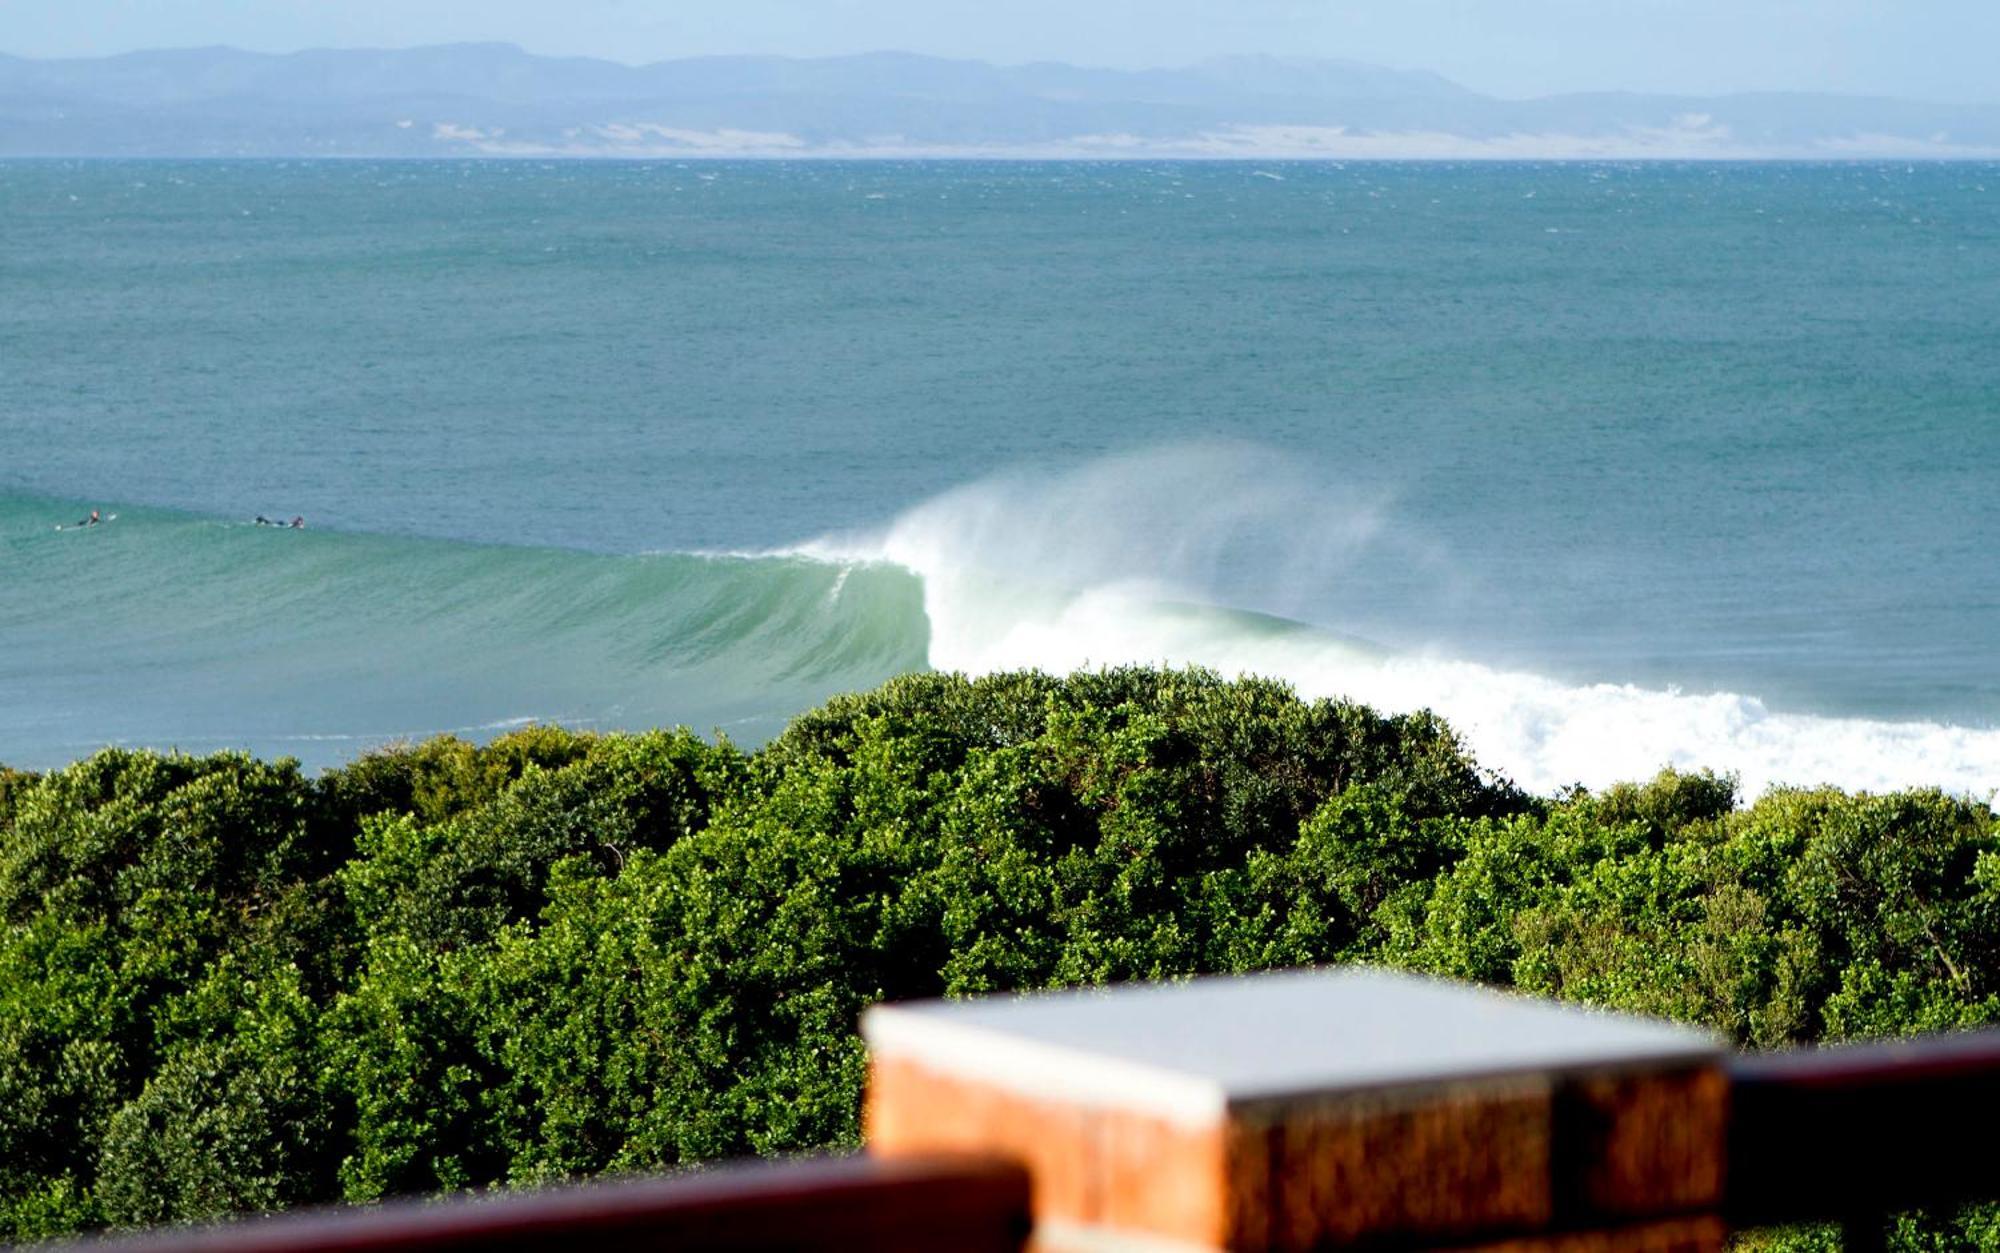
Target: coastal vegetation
[[227, 986]]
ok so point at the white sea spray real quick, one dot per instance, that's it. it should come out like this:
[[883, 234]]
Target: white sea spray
[[1179, 556]]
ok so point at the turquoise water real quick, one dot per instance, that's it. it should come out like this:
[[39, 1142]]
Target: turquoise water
[[1614, 465]]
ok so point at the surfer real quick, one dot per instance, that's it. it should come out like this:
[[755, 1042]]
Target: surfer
[[84, 523], [298, 524]]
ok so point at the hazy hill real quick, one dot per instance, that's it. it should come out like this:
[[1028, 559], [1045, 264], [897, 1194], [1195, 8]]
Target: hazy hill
[[497, 100]]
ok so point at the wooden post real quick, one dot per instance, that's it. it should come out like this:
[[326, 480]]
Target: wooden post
[[1315, 1108]]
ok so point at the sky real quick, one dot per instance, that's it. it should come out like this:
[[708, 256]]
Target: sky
[[1919, 49]]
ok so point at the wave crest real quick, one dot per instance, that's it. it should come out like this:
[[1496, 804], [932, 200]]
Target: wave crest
[[1203, 555]]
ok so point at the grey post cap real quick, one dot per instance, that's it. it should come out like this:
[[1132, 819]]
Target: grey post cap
[[1191, 1051]]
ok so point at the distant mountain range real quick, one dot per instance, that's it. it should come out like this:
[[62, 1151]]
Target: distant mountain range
[[497, 100]]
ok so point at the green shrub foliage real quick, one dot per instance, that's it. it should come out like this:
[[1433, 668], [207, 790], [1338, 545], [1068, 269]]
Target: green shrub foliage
[[227, 987]]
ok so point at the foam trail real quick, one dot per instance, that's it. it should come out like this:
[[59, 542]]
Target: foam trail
[[1134, 558]]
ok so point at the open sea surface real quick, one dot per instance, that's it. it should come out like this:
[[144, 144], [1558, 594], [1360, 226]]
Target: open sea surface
[[1615, 466]]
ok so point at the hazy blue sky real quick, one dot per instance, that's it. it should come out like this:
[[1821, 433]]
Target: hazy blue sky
[[1936, 49]]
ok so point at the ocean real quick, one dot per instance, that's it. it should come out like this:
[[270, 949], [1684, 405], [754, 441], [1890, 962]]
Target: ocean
[[1615, 466]]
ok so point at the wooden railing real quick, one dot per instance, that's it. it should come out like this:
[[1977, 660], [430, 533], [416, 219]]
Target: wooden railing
[[1648, 1149], [1857, 1133], [815, 1206]]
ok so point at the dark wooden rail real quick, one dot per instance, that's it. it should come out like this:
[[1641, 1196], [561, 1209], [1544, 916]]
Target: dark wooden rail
[[911, 1206], [1855, 1133], [1848, 1135]]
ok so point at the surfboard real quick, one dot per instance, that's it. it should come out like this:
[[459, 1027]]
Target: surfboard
[[85, 526]]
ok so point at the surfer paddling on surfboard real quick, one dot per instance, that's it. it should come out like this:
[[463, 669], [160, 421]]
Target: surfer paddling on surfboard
[[92, 520]]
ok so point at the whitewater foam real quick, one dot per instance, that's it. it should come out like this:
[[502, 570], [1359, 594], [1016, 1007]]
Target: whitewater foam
[[1157, 558]]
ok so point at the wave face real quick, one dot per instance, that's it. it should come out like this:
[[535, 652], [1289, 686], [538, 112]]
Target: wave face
[[166, 629], [1192, 555]]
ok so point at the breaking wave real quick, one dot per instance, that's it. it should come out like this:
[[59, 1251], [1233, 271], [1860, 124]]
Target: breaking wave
[[1205, 555], [170, 629]]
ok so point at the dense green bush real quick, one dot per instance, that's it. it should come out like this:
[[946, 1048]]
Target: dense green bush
[[225, 986]]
